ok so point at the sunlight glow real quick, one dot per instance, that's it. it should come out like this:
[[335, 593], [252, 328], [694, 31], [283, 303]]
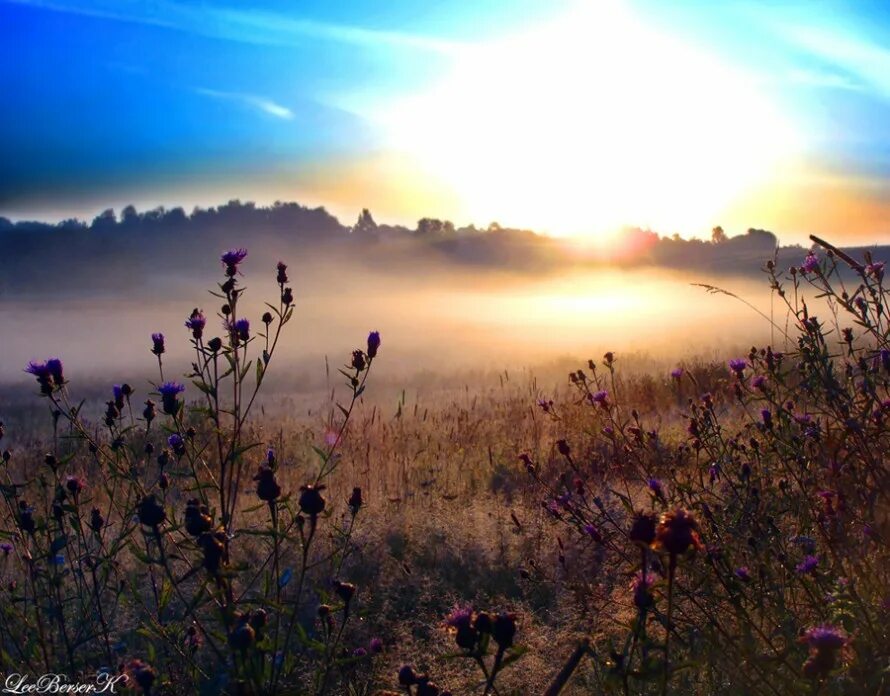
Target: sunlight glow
[[591, 122]]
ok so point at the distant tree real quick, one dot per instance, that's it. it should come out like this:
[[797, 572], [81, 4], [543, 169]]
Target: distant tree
[[365, 227], [106, 220], [718, 236], [130, 216], [432, 227], [494, 227]]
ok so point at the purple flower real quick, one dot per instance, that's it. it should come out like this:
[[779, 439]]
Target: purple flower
[[656, 487], [825, 637], [6, 548], [196, 322], [375, 646], [176, 442], [157, 340], [168, 392], [758, 382], [459, 617], [876, 270], [49, 374], [591, 531], [74, 484], [677, 372], [743, 573], [373, 343], [54, 366], [241, 329], [232, 258], [810, 263], [808, 565], [767, 417], [600, 397], [738, 366], [37, 369]]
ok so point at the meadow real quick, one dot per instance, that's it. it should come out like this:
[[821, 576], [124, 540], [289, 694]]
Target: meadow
[[720, 526]]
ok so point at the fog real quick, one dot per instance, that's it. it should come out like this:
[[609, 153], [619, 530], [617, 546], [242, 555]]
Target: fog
[[433, 318]]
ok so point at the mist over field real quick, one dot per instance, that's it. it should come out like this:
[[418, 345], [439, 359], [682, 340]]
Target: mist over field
[[446, 300]]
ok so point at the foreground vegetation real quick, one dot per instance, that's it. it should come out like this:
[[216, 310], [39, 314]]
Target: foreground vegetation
[[723, 528]]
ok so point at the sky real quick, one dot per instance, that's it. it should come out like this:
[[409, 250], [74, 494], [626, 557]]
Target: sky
[[571, 118]]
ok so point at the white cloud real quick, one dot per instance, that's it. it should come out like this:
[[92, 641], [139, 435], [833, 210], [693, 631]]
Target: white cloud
[[246, 26], [261, 103]]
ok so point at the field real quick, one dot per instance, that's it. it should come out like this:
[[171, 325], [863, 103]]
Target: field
[[720, 527]]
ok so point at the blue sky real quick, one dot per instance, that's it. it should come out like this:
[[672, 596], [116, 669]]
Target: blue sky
[[569, 117]]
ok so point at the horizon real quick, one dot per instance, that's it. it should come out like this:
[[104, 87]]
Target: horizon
[[570, 119]]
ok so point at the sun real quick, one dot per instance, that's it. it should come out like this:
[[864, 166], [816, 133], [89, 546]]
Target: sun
[[588, 123]]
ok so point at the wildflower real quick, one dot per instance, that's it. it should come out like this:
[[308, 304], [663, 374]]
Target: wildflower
[[149, 412], [44, 378], [215, 344], [360, 652], [267, 318], [375, 646], [74, 484], [591, 531], [738, 365], [197, 518], [808, 565], [157, 344], [642, 531], [258, 620], [503, 630], [267, 487], [407, 675], [214, 550], [642, 592], [758, 382], [600, 397], [609, 357], [460, 620], [196, 323], [177, 444], [876, 270], [355, 500], [54, 367], [287, 297], [656, 487], [824, 641], [358, 360], [242, 636], [677, 373], [6, 548], [345, 590], [232, 259], [26, 518], [810, 263], [312, 502], [743, 574], [168, 392], [282, 273], [373, 344], [241, 329], [143, 674], [677, 532], [150, 513], [96, 520], [767, 417]]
